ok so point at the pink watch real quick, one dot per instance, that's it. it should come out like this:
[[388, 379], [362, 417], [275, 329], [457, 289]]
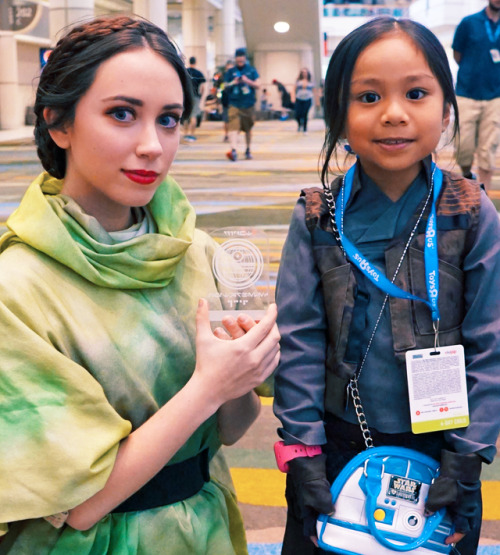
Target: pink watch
[[285, 453]]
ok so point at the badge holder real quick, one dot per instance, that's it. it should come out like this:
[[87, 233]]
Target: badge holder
[[437, 387]]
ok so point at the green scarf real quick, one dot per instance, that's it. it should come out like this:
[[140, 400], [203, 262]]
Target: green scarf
[[147, 261]]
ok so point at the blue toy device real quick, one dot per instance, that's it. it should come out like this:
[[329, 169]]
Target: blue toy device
[[379, 502]]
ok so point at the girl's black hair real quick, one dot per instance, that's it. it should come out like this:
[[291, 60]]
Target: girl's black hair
[[71, 69], [339, 74]]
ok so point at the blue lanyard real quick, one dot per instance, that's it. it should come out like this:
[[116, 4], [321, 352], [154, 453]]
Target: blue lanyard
[[430, 248], [493, 37]]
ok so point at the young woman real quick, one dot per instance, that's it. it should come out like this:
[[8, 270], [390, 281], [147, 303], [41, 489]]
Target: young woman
[[116, 395], [304, 95], [346, 331]]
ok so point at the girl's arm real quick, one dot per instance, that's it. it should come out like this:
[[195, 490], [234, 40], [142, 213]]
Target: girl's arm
[[299, 382], [481, 338], [225, 371]]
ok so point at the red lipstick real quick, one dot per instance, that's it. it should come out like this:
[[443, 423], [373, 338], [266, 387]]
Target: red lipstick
[[143, 177]]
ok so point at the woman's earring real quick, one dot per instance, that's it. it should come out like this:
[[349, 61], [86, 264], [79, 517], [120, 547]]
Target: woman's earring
[[348, 149]]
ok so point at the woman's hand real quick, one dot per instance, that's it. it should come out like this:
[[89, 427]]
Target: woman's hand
[[236, 416], [230, 369], [236, 327]]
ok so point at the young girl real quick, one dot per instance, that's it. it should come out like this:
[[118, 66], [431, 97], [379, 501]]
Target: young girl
[[345, 333], [115, 393], [304, 94]]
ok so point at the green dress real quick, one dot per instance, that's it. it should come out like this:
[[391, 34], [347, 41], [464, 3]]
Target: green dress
[[97, 335]]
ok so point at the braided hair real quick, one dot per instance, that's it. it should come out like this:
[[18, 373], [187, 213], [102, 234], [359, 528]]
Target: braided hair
[[71, 69]]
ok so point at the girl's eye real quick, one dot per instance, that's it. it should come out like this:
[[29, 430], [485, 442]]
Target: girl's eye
[[122, 114], [169, 120], [369, 97], [415, 94]]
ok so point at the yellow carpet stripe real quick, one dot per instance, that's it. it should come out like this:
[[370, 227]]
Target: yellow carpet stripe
[[260, 486], [266, 487], [491, 495]]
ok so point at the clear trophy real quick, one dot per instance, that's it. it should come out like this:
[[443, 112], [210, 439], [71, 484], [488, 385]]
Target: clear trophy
[[241, 269]]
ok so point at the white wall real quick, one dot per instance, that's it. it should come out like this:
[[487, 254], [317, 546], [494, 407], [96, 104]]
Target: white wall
[[283, 64], [443, 13], [28, 71]]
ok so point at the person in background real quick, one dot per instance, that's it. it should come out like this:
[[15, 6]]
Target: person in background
[[476, 49], [264, 100], [304, 94], [199, 86], [357, 290], [241, 82], [225, 101], [116, 394]]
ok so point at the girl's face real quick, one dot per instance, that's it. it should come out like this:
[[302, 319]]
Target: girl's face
[[396, 111], [124, 136]]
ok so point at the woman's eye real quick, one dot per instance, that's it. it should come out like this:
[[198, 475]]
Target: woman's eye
[[122, 114], [415, 94], [369, 97], [169, 121]]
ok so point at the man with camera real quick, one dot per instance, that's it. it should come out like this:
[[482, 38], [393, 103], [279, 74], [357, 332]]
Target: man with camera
[[241, 82]]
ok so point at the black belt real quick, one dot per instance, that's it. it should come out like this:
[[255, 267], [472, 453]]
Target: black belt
[[173, 483]]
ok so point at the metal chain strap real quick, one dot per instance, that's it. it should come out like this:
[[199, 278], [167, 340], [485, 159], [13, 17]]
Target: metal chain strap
[[330, 201], [353, 383]]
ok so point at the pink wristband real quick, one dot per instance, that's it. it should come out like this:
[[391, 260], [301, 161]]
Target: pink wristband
[[285, 453]]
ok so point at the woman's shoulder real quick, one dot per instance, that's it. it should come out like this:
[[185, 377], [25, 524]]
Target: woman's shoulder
[[26, 273], [20, 262]]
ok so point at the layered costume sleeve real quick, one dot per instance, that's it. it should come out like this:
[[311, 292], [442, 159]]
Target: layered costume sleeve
[[300, 377], [481, 338], [58, 433]]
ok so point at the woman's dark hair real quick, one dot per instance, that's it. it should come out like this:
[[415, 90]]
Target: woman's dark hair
[[71, 69], [308, 74], [339, 74]]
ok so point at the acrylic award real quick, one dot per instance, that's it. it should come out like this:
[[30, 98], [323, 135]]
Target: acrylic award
[[240, 266]]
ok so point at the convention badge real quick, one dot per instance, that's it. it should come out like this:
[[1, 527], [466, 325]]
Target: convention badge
[[495, 55], [240, 267], [437, 389]]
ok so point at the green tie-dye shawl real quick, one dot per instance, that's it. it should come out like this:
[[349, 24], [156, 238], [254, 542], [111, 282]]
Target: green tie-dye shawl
[[96, 336]]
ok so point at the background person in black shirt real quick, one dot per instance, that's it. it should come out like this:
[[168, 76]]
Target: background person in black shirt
[[198, 81]]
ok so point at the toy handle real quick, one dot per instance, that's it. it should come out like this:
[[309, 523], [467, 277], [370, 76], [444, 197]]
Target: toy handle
[[374, 471]]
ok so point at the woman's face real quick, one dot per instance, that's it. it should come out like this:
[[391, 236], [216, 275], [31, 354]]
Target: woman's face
[[124, 136]]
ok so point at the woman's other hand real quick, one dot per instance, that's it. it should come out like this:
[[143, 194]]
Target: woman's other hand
[[230, 369], [236, 416]]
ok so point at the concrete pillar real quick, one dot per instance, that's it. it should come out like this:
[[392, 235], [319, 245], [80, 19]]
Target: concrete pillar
[[67, 13], [10, 114], [152, 10], [225, 32], [195, 32]]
